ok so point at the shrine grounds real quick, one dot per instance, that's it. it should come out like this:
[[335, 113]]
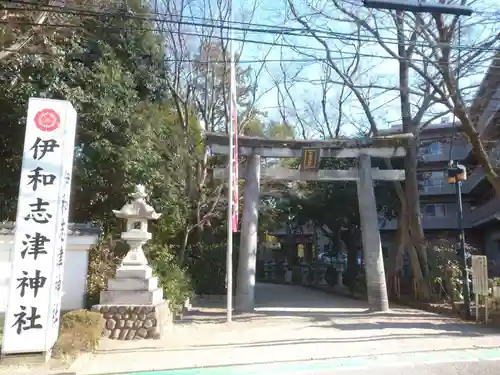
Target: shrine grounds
[[290, 324]]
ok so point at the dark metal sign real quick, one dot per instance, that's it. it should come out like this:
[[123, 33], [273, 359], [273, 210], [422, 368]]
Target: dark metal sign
[[310, 159]]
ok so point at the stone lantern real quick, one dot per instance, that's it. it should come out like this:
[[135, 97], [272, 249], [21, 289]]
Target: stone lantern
[[137, 213], [133, 306]]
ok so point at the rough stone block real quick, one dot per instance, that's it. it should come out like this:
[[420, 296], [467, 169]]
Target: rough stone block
[[143, 322]]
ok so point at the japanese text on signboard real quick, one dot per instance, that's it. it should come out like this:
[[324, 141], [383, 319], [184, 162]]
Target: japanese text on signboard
[[41, 228]]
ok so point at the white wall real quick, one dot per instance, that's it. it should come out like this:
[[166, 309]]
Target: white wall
[[75, 270]]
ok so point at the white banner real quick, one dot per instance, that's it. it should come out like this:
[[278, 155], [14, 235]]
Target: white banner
[[33, 309]]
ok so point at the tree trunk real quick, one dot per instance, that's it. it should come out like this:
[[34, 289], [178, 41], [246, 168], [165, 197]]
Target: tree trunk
[[479, 150], [395, 253], [413, 209], [181, 251], [416, 262], [407, 239]]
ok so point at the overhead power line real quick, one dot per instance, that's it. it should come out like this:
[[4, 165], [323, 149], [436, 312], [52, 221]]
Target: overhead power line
[[342, 56], [153, 12], [223, 25], [242, 61], [214, 36], [252, 61]]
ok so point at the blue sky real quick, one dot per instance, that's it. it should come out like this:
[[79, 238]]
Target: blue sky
[[375, 69], [303, 59]]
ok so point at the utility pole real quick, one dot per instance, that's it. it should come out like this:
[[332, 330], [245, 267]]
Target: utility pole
[[457, 174], [419, 6], [232, 191]]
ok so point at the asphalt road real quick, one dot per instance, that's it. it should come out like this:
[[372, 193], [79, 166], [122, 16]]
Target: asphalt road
[[487, 367], [452, 362], [458, 368]]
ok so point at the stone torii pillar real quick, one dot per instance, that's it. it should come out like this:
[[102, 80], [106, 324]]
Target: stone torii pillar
[[247, 259], [372, 246]]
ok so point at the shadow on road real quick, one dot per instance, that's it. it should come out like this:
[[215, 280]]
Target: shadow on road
[[329, 311], [310, 341]]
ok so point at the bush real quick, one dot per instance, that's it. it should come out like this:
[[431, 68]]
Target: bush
[[80, 331], [207, 267], [445, 267], [103, 261], [174, 280]]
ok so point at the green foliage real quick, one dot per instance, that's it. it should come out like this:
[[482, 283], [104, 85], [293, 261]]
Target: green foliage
[[174, 280], [208, 268], [445, 270], [112, 71], [130, 130], [103, 261], [308, 202], [80, 331]]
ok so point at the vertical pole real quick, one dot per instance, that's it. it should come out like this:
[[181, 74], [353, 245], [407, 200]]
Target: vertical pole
[[245, 285], [372, 247], [232, 222], [229, 252], [463, 254]]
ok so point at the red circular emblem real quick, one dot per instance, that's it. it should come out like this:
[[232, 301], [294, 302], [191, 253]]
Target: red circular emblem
[[47, 120]]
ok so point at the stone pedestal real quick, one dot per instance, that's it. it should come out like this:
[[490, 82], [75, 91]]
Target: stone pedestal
[[132, 286], [133, 306]]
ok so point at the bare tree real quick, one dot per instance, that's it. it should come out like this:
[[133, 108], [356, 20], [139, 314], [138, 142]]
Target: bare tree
[[20, 26], [24, 22], [198, 66], [418, 44]]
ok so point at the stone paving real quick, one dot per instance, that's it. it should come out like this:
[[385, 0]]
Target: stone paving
[[289, 323]]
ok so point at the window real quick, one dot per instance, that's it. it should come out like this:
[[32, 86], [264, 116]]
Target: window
[[435, 210], [434, 148], [434, 179]]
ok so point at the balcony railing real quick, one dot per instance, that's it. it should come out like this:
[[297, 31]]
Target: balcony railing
[[459, 152], [430, 222], [482, 213], [437, 189], [492, 107]]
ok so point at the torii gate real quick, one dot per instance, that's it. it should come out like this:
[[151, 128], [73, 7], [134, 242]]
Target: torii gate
[[256, 147]]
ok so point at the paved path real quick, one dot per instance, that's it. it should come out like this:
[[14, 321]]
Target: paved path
[[290, 323]]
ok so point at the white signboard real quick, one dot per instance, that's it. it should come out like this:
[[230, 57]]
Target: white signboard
[[480, 275], [32, 317]]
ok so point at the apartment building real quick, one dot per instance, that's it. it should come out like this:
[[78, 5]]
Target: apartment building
[[438, 198]]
